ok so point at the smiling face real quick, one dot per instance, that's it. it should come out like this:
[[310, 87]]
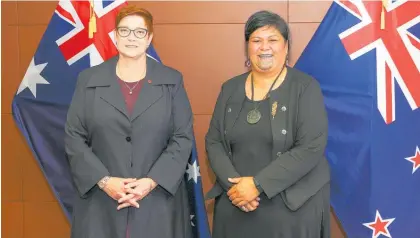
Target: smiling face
[[267, 50], [132, 36]]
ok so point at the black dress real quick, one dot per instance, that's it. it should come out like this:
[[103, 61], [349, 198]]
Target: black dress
[[251, 151]]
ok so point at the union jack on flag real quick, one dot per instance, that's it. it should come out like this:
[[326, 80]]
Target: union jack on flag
[[79, 35], [366, 57]]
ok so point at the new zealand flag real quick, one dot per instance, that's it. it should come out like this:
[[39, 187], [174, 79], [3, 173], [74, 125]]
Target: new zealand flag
[[366, 56]]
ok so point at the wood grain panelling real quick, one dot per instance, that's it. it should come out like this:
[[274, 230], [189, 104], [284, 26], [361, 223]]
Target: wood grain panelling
[[300, 37], [12, 219], [201, 125], [44, 219], [308, 11], [10, 68], [207, 55], [29, 37], [9, 13], [210, 212], [172, 13], [35, 186], [209, 12], [35, 13], [11, 163]]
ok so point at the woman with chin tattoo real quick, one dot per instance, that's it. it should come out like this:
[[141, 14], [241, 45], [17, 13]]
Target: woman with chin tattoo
[[128, 139], [266, 144]]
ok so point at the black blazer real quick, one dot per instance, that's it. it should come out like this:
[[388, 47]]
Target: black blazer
[[299, 168]]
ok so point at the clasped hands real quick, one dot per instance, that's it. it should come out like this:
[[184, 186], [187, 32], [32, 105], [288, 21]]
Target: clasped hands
[[127, 191], [244, 194]]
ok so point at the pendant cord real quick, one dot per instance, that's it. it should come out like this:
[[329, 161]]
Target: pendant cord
[[268, 93]]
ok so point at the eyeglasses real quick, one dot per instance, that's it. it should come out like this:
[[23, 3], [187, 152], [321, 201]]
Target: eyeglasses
[[138, 32]]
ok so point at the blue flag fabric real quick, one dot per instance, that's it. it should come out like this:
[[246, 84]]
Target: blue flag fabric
[[366, 57], [42, 100]]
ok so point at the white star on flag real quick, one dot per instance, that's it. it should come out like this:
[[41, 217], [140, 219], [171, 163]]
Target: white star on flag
[[379, 226], [415, 159], [193, 171], [191, 219], [33, 77]]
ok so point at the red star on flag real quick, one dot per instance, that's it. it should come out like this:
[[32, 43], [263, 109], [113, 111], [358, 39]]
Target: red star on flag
[[379, 226], [415, 159]]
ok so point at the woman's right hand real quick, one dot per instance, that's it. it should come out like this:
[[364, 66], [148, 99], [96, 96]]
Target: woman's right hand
[[251, 206], [115, 187]]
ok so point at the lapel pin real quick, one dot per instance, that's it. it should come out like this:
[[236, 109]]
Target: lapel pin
[[274, 109], [149, 81]]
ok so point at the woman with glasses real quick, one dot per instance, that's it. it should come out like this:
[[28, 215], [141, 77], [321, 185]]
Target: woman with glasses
[[128, 140]]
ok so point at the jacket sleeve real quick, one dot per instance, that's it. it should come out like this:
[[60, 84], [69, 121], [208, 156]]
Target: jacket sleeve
[[169, 169], [85, 166], [309, 144], [219, 160]]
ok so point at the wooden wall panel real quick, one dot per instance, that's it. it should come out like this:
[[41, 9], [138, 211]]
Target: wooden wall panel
[[207, 55], [11, 163], [35, 186], [203, 40], [8, 13], [301, 34], [12, 220], [221, 12], [308, 11], [29, 38], [9, 69], [172, 13], [201, 125], [35, 12], [44, 219]]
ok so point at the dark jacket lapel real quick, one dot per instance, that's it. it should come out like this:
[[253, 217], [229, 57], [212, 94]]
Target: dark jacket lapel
[[107, 86], [279, 103], [235, 102], [151, 91]]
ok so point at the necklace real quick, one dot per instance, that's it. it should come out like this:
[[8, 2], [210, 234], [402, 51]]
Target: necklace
[[254, 115], [131, 89], [125, 83]]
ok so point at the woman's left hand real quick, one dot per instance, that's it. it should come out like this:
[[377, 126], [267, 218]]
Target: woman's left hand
[[136, 191], [243, 192]]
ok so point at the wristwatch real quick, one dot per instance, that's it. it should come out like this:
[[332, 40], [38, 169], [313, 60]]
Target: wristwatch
[[258, 185], [103, 182]]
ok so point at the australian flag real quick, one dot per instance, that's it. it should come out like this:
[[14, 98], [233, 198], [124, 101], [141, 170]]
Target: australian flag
[[69, 45], [366, 57]]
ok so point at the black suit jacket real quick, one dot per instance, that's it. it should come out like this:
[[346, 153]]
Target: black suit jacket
[[299, 168]]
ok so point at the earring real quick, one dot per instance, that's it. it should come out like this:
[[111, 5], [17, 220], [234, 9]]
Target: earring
[[248, 63]]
